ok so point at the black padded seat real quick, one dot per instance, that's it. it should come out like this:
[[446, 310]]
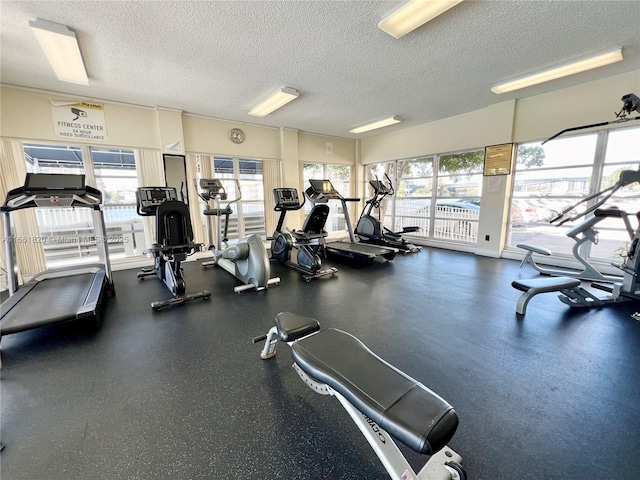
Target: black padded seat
[[173, 225], [315, 221], [405, 408], [545, 284], [291, 326]]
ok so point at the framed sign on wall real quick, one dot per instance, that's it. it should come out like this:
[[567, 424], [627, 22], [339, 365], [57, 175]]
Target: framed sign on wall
[[497, 159]]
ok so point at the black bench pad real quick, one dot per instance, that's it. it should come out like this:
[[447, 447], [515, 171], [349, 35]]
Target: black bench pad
[[545, 284], [405, 408], [291, 326]]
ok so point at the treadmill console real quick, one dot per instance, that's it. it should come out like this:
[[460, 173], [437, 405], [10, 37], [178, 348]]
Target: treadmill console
[[212, 188], [323, 186], [286, 199], [52, 190], [148, 199], [36, 183]]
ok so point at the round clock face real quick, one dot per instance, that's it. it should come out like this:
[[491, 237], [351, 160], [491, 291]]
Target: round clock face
[[236, 135]]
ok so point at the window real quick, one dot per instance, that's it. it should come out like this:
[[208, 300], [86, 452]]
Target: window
[[438, 194], [53, 159], [554, 177], [116, 177], [248, 213], [68, 233], [459, 185], [340, 176]]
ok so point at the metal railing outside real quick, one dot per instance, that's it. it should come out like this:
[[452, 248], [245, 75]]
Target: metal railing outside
[[459, 224], [67, 233]]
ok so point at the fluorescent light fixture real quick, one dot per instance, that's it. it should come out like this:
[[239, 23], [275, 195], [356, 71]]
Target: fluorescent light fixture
[[274, 101], [379, 124], [61, 48], [577, 66], [413, 14]]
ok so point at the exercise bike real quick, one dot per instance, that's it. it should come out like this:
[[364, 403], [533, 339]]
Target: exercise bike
[[370, 229], [174, 242], [308, 241], [247, 260]]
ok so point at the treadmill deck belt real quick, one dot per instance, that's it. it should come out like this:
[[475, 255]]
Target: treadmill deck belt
[[51, 300], [359, 248]]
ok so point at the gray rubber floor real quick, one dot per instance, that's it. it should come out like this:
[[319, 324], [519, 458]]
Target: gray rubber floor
[[183, 394]]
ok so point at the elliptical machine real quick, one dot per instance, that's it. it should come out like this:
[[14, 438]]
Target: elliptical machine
[[173, 242], [308, 241], [248, 260], [371, 230]]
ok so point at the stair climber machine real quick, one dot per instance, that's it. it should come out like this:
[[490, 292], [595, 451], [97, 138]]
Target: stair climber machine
[[370, 229], [248, 259], [357, 253], [173, 242], [308, 241]]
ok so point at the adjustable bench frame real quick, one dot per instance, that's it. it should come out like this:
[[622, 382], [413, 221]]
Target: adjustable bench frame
[[443, 464]]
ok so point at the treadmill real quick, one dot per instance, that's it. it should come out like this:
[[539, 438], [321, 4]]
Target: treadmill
[[356, 253], [62, 294]]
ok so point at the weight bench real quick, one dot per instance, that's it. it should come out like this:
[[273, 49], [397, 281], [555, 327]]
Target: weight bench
[[573, 294], [385, 403]]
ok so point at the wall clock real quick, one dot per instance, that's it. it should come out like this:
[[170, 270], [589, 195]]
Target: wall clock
[[236, 135]]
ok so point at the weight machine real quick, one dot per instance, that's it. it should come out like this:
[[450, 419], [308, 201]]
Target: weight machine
[[626, 287]]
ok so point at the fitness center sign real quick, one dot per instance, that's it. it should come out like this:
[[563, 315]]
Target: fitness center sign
[[83, 121]]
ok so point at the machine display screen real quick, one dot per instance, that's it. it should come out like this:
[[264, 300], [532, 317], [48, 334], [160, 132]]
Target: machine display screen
[[322, 186], [158, 195], [39, 182], [287, 195]]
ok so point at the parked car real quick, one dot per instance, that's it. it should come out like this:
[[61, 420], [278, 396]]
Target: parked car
[[528, 209], [444, 205]]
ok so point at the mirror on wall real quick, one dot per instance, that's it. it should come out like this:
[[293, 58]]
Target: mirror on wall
[[175, 175]]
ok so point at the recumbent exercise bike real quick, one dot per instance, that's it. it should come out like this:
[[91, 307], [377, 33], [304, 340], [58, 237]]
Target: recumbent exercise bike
[[174, 242], [308, 241]]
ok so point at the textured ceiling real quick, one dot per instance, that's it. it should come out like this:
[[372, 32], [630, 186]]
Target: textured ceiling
[[219, 58]]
